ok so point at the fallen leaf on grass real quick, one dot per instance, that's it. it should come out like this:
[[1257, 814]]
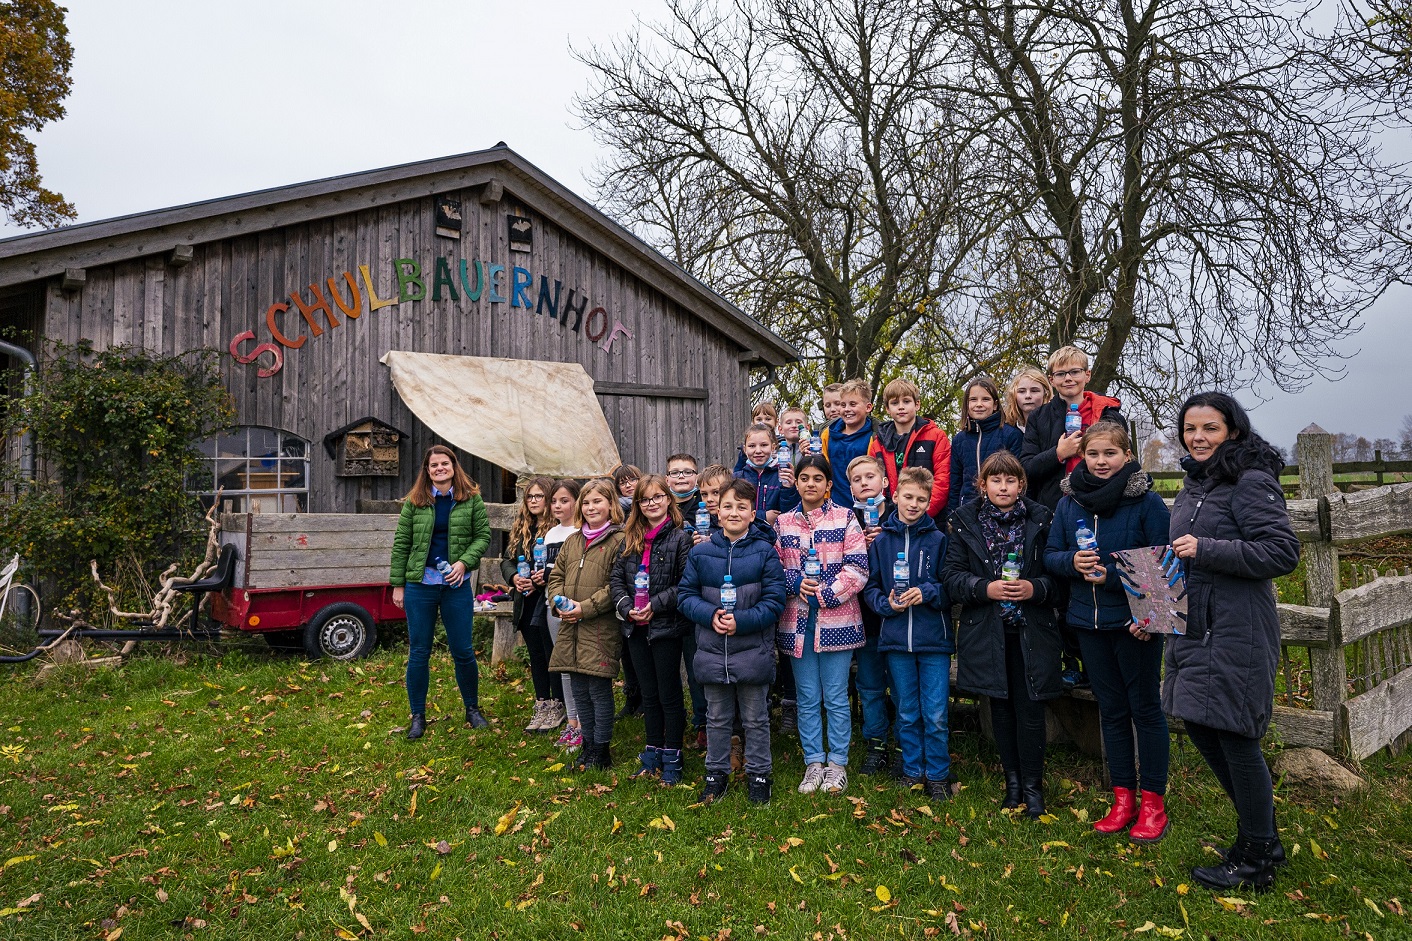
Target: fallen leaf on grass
[[1045, 846], [794, 874], [15, 861], [662, 823], [953, 923], [1048, 818], [817, 817], [506, 819], [162, 895], [883, 893], [1231, 903], [379, 838], [617, 825], [1318, 851], [1373, 905]]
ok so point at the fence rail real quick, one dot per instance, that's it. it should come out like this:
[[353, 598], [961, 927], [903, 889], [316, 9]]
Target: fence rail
[[1372, 473]]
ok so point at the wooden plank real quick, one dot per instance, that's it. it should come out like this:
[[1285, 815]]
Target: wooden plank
[[1376, 718], [644, 390], [262, 560], [1371, 608], [261, 523], [1370, 514], [1309, 728], [313, 577], [1304, 626], [1304, 517], [1315, 447]]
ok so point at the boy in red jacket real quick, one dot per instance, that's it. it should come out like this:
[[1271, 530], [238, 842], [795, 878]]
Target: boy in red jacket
[[911, 441]]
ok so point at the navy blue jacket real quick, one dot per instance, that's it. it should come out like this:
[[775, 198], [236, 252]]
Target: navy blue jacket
[[769, 495], [755, 570], [872, 620], [1141, 519], [970, 448], [925, 627]]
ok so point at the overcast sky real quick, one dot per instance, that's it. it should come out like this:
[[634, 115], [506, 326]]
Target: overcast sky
[[175, 102]]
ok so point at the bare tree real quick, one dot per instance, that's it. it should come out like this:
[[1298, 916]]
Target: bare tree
[[796, 155], [1185, 195]]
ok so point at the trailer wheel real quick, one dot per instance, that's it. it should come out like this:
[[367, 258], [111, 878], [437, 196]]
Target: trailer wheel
[[341, 631]]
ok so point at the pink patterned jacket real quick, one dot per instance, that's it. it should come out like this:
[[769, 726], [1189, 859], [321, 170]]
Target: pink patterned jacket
[[843, 554]]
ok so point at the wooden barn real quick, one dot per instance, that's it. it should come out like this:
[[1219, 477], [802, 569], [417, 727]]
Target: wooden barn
[[470, 299]]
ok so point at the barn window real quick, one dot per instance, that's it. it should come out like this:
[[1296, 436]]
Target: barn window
[[256, 470]]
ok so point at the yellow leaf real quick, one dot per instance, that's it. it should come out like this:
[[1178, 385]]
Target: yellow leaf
[[436, 872], [1048, 818], [1230, 902], [556, 766], [412, 811], [1170, 932], [1318, 851], [363, 920], [15, 861], [521, 906], [794, 874], [114, 935], [332, 846], [1146, 926], [1045, 846], [617, 825], [1183, 889], [1330, 821], [794, 841], [507, 818], [1373, 905], [662, 823], [379, 838], [225, 837], [924, 809], [883, 894], [817, 817], [345, 935]]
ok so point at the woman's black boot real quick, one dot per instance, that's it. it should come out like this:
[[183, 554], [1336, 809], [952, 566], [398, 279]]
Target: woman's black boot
[[417, 728], [1013, 797], [1247, 865], [1032, 795]]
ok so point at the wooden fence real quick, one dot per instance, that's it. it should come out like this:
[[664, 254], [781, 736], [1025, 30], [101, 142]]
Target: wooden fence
[[1348, 476], [1355, 697]]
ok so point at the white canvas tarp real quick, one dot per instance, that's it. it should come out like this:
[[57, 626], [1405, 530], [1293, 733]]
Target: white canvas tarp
[[525, 416]]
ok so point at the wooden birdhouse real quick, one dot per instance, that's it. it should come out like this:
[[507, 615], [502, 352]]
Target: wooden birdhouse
[[366, 448]]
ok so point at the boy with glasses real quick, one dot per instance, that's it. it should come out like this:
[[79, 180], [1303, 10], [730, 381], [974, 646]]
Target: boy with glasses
[[681, 480], [1050, 453]]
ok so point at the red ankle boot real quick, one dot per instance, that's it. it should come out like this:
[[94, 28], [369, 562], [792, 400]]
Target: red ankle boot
[[1123, 813], [1152, 822]]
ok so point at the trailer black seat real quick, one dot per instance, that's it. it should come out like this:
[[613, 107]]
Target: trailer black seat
[[218, 580]]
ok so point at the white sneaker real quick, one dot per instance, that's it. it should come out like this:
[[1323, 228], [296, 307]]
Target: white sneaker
[[536, 721], [813, 777], [554, 715], [835, 779]]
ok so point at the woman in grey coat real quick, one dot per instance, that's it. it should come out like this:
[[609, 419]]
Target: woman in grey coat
[[1231, 528]]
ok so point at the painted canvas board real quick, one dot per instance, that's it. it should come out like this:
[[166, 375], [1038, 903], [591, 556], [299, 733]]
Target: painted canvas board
[[1155, 583]]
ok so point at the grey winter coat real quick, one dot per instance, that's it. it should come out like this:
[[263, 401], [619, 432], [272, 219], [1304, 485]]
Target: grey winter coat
[[1221, 673]]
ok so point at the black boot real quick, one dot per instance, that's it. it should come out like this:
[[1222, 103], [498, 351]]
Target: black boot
[[417, 728], [1277, 849], [1247, 865], [1013, 797], [474, 719], [1032, 795], [601, 758], [875, 758]]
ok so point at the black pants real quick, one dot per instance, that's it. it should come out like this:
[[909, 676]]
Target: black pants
[[1239, 765], [593, 695], [1018, 720], [1127, 682], [632, 687], [658, 667], [534, 628], [784, 677]]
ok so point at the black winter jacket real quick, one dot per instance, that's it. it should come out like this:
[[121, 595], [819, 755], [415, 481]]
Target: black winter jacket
[[664, 571], [980, 635], [1221, 673], [1043, 429]]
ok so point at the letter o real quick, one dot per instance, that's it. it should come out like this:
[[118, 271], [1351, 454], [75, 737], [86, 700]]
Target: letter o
[[595, 336]]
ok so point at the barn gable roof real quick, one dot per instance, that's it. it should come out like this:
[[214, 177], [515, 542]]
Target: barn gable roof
[[40, 255]]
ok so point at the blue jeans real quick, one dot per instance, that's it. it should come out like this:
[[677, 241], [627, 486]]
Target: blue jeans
[[821, 682], [457, 607], [872, 689], [921, 682]]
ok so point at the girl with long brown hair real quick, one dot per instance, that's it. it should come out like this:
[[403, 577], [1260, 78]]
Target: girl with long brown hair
[[442, 533], [532, 523]]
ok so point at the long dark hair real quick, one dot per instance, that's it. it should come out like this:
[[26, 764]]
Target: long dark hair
[[1243, 450], [816, 461]]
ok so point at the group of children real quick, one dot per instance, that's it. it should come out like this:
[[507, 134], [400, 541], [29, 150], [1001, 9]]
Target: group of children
[[834, 559]]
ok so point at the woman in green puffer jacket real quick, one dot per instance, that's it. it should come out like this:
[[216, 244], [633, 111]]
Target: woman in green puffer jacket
[[441, 535]]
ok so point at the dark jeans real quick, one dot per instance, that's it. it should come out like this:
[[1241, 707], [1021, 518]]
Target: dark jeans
[[534, 628], [658, 666], [594, 697], [1239, 765], [1018, 721], [632, 688], [748, 703], [784, 677], [698, 696], [1127, 681], [457, 607]]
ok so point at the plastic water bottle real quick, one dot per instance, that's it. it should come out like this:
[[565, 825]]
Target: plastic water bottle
[[1087, 541], [1009, 572], [874, 512], [539, 554], [640, 596], [783, 453], [1073, 421], [443, 567], [522, 568], [728, 596], [901, 574], [703, 520], [816, 442], [560, 602], [812, 567]]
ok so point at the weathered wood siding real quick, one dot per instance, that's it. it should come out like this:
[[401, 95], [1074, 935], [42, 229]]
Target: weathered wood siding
[[336, 378]]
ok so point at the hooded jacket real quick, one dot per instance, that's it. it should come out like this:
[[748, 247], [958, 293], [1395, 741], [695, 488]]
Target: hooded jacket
[[748, 656], [1221, 673], [1043, 469], [769, 493], [594, 644], [664, 571], [922, 628], [1140, 519], [980, 636], [925, 446], [970, 448], [841, 448]]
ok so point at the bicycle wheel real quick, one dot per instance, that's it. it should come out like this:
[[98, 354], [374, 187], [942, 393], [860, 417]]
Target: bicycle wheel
[[19, 621]]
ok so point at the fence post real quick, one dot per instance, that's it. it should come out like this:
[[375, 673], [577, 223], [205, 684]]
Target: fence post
[[1315, 448]]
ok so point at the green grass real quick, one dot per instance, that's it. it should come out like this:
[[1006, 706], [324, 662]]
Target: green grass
[[255, 796]]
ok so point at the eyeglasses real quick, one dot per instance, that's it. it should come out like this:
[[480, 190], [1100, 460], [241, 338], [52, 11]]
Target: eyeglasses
[[1067, 374], [681, 473], [535, 496], [656, 498]]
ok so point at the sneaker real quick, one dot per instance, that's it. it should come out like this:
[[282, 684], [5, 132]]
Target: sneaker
[[554, 715], [835, 779], [757, 788], [715, 785], [906, 782], [737, 755], [474, 719], [813, 777], [571, 739], [938, 790], [1070, 678], [875, 757], [536, 722]]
